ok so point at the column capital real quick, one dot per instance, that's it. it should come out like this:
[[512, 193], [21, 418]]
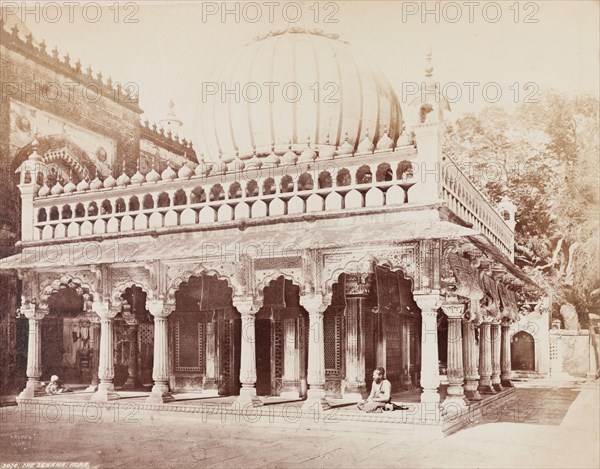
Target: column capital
[[32, 311], [245, 305], [158, 308], [428, 301], [103, 310], [507, 322], [314, 304], [454, 310]]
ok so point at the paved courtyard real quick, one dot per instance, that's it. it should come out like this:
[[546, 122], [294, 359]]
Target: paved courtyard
[[546, 426]]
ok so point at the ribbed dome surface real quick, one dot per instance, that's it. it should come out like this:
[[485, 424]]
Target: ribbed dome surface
[[341, 93]]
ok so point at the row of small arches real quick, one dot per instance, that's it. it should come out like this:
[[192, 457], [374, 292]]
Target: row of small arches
[[354, 199], [217, 193]]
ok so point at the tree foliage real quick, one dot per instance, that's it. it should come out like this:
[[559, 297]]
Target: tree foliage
[[545, 157]]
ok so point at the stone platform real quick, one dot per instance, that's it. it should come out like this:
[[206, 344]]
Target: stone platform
[[421, 418]]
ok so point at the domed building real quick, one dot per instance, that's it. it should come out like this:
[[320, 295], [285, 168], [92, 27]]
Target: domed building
[[292, 87], [313, 242]]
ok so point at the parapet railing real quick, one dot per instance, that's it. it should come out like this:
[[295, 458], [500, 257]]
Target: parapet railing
[[193, 198], [466, 201], [189, 197]]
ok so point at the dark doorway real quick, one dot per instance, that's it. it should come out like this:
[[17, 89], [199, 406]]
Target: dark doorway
[[263, 357], [522, 352], [52, 347]]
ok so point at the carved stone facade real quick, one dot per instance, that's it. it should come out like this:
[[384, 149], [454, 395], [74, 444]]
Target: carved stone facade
[[271, 286]]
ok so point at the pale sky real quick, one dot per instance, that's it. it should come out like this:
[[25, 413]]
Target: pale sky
[[170, 51]]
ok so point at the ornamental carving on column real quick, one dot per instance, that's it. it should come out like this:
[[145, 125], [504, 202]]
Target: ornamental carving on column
[[245, 305], [104, 310], [30, 285], [31, 311], [428, 301], [508, 300], [453, 310], [158, 308], [314, 303], [490, 304], [465, 281]]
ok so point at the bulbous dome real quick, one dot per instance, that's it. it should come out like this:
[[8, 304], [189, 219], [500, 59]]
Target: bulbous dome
[[299, 85]]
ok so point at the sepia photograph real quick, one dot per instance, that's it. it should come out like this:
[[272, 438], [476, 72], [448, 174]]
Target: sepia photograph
[[300, 234]]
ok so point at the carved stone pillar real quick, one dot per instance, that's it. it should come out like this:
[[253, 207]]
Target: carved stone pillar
[[414, 346], [132, 369], [291, 360], [380, 345], [405, 351], [485, 358], [210, 382], [505, 362], [315, 306], [496, 339], [471, 360], [456, 374], [95, 349], [34, 314], [430, 376], [106, 367], [248, 310], [160, 369], [357, 289]]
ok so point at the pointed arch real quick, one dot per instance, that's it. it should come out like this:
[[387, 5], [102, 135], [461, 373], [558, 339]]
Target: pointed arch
[[197, 271], [364, 265], [118, 291], [81, 287], [274, 275]]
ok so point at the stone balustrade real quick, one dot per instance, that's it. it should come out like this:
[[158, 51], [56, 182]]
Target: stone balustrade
[[192, 197], [259, 188], [468, 203]]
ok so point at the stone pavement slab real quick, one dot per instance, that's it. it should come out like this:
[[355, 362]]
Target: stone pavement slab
[[545, 428]]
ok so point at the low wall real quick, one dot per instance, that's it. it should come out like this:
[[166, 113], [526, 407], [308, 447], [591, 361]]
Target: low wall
[[577, 352]]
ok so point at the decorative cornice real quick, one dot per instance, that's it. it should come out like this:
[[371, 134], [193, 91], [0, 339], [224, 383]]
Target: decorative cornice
[[38, 54], [168, 141]]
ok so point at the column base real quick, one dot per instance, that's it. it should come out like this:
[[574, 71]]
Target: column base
[[473, 395], [210, 387], [160, 394], [498, 387], [210, 384], [132, 383], [315, 396], [91, 388], [292, 393], [507, 383], [354, 393], [454, 406], [248, 397], [32, 389], [486, 389], [106, 392], [430, 396]]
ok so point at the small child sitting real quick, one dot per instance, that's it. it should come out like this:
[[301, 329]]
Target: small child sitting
[[55, 387]]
